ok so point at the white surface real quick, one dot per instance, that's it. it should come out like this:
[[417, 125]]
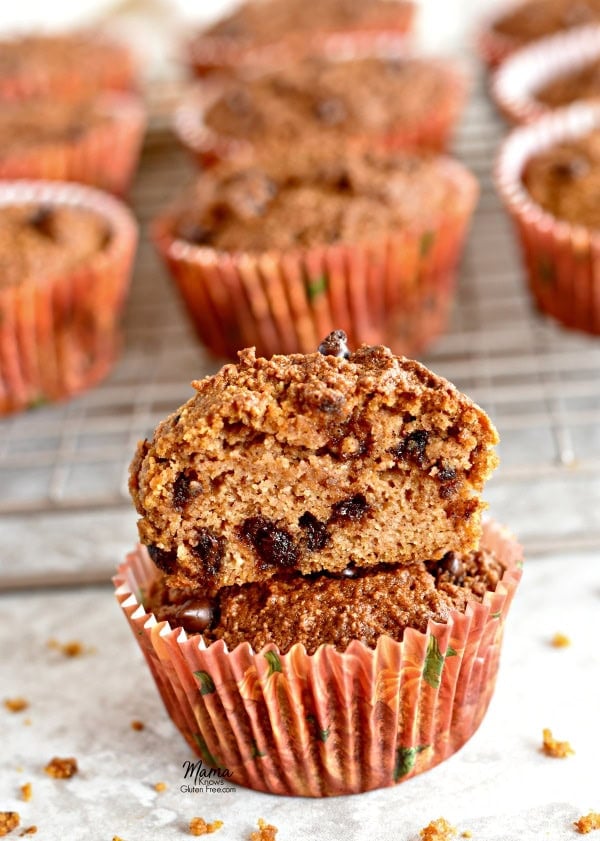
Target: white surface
[[499, 786]]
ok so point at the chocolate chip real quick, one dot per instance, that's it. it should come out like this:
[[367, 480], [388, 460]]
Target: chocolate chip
[[317, 536], [209, 549], [343, 183], [572, 168], [196, 615], [42, 220], [453, 565], [273, 545], [195, 233], [450, 489], [335, 344], [164, 559], [182, 489], [331, 111], [446, 474], [412, 447], [354, 508]]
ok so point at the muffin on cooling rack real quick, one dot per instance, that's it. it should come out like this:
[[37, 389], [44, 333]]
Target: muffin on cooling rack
[[277, 253], [388, 103], [64, 66], [313, 522], [66, 253], [268, 32], [548, 174], [95, 141]]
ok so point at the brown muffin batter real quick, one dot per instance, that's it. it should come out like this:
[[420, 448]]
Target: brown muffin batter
[[38, 241], [536, 18], [565, 180], [312, 462], [582, 84], [35, 123], [325, 609], [339, 98], [313, 199]]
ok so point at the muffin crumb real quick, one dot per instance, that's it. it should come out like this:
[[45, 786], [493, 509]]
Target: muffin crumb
[[8, 822], [560, 640], [466, 834], [160, 786], [587, 823], [26, 791], [16, 705], [554, 748], [265, 832], [61, 768], [438, 830], [30, 830], [72, 648], [198, 826], [137, 725]]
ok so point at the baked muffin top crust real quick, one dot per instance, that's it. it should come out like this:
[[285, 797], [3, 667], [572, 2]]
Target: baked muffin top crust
[[571, 87], [37, 122], [537, 18]]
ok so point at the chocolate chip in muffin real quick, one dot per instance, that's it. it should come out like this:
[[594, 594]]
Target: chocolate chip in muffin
[[195, 233], [412, 448], [196, 615], [209, 549], [352, 509], [164, 559], [42, 220], [317, 536], [335, 344], [572, 168], [274, 546]]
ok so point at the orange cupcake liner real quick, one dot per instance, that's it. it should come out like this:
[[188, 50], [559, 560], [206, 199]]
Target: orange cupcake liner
[[396, 291], [332, 722], [516, 83], [562, 260], [60, 335], [103, 156], [431, 133]]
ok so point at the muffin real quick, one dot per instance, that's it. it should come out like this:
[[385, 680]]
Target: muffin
[[390, 103], [550, 74], [277, 253], [345, 647], [262, 33], [548, 174], [65, 66], [66, 253], [94, 142]]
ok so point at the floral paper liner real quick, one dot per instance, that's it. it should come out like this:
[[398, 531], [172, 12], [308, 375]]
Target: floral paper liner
[[396, 290], [523, 74], [431, 132], [60, 335], [562, 260], [329, 723], [104, 155]]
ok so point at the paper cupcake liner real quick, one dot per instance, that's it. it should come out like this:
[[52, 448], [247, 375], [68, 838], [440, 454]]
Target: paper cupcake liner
[[431, 132], [60, 335], [118, 73], [516, 83], [395, 291], [329, 723], [562, 260], [104, 155], [493, 46]]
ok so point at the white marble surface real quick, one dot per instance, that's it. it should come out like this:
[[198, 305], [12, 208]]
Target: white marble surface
[[499, 786]]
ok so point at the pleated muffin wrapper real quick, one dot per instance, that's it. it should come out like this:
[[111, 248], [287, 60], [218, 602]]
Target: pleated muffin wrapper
[[117, 73], [516, 83], [395, 290], [432, 132], [494, 47], [103, 155], [562, 260], [60, 335], [332, 722]]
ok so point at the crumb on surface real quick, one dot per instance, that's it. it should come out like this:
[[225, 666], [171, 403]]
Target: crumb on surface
[[117, 838], [438, 830], [160, 786], [265, 832], [61, 768], [466, 834], [137, 725], [552, 747], [30, 830], [560, 640], [587, 823], [72, 648], [16, 705], [27, 722], [8, 822], [198, 826], [26, 791]]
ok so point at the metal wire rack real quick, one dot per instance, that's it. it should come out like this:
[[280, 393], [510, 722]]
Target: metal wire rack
[[540, 383]]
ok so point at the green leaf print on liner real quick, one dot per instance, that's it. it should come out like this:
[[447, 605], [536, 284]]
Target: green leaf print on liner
[[426, 243], [274, 662], [321, 735], [256, 752], [497, 614], [405, 760], [205, 753], [434, 663], [316, 286], [207, 685], [451, 652]]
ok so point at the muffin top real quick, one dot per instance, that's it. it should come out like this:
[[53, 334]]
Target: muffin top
[[580, 84], [38, 122], [310, 199], [536, 18], [356, 604], [265, 21], [312, 462], [39, 240], [565, 180], [364, 96]]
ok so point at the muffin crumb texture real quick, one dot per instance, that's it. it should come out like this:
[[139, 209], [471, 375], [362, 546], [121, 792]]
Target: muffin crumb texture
[[26, 792], [438, 830], [61, 768], [73, 648], [554, 748], [137, 725], [265, 832], [8, 822], [198, 826], [587, 823], [16, 705], [560, 640]]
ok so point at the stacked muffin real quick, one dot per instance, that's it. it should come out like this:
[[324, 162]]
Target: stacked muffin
[[324, 200], [66, 250]]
